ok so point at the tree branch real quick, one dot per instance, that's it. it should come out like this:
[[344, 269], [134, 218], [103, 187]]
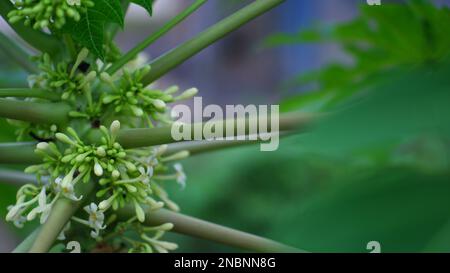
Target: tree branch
[[134, 138], [177, 56], [28, 93], [203, 146], [18, 153], [16, 178], [205, 230], [15, 52], [155, 36], [25, 246], [36, 112]]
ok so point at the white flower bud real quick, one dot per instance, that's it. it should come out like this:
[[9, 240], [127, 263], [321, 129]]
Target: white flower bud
[[115, 128], [105, 204], [171, 90], [32, 215], [42, 146], [187, 94], [166, 226], [168, 245], [115, 174], [139, 212], [64, 138], [159, 104], [101, 151], [106, 78], [98, 170]]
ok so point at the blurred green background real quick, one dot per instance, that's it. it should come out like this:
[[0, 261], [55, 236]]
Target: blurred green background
[[376, 168]]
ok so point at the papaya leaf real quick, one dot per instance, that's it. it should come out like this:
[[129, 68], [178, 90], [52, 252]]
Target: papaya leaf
[[89, 31], [146, 4]]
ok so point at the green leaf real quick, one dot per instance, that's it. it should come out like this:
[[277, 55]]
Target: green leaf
[[146, 4], [111, 10], [89, 31]]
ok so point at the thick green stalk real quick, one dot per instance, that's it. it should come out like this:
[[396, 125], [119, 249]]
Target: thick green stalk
[[25, 246], [177, 56], [204, 146], [134, 138], [18, 153], [16, 53], [28, 93], [61, 213], [23, 153], [38, 39], [36, 112], [62, 210], [16, 178], [155, 36], [205, 230]]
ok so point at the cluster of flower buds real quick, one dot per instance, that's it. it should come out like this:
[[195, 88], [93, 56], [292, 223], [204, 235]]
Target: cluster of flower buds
[[68, 80], [48, 13], [138, 183], [124, 176], [129, 96]]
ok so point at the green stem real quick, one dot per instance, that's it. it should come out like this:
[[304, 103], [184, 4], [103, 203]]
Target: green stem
[[16, 53], [23, 153], [36, 112], [61, 213], [177, 56], [16, 178], [134, 138], [28, 92], [38, 39], [205, 230], [25, 246], [155, 36], [18, 153], [204, 146]]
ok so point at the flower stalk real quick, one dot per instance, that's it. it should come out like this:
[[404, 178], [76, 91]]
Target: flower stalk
[[36, 112], [205, 230], [155, 36], [28, 93], [133, 138], [16, 53], [18, 153]]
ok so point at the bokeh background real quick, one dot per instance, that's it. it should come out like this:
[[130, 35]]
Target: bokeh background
[[378, 170]]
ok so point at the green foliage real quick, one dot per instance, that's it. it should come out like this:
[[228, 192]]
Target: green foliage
[[146, 4], [89, 30], [382, 40], [378, 169]]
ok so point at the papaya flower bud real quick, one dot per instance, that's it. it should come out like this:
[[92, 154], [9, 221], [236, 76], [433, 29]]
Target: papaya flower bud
[[159, 104], [114, 128], [64, 138], [172, 90], [42, 146], [140, 214], [98, 170], [187, 94], [80, 58]]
